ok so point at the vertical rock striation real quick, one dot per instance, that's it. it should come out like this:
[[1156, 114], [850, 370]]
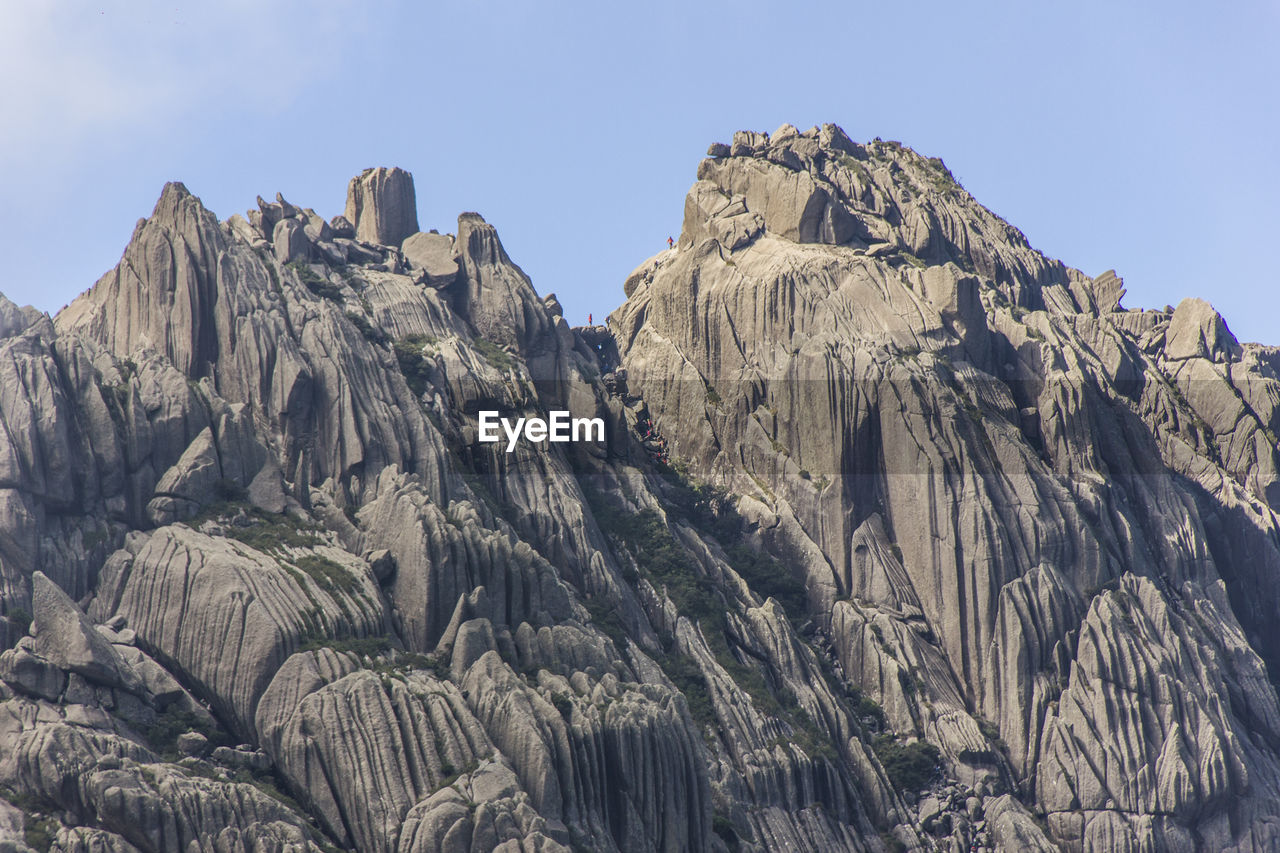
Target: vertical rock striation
[[904, 536]]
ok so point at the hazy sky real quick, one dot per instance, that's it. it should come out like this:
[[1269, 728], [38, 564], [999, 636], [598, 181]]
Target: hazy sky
[[1141, 137]]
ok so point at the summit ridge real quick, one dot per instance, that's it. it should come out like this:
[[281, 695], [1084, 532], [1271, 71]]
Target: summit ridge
[[903, 536]]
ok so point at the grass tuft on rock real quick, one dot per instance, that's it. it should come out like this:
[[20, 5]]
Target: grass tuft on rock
[[328, 574], [321, 287], [497, 357]]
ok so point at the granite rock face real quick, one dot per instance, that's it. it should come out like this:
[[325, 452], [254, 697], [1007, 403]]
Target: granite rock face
[[382, 205], [902, 536], [1007, 495]]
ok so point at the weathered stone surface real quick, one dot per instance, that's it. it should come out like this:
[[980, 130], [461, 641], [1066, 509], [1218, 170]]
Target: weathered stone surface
[[926, 385], [1197, 331], [289, 241], [99, 778], [500, 299], [969, 504], [15, 319], [433, 254], [1108, 290], [366, 749], [791, 204], [88, 840], [13, 825], [342, 227], [1013, 828], [382, 205], [227, 616], [30, 674], [65, 638]]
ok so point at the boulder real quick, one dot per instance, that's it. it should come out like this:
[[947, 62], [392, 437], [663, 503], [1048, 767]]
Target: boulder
[[189, 483], [266, 490], [315, 228], [792, 203], [192, 743], [433, 255], [289, 241], [748, 142], [342, 227], [65, 637], [32, 675], [267, 216]]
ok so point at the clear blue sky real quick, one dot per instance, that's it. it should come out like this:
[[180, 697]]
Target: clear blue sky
[[1139, 136]]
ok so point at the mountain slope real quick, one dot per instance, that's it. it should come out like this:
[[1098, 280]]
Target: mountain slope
[[901, 532]]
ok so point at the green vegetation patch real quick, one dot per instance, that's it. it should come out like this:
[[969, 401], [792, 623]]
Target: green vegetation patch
[[274, 532], [370, 647], [263, 531], [40, 833], [371, 333], [452, 774], [493, 353], [659, 556], [162, 735], [868, 710], [329, 575], [563, 704], [605, 617], [769, 578], [688, 679], [318, 285], [665, 562], [413, 364], [711, 511], [851, 163], [722, 826], [911, 766]]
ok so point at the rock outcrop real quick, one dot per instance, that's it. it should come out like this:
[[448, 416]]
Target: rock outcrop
[[963, 445], [382, 205], [902, 536]]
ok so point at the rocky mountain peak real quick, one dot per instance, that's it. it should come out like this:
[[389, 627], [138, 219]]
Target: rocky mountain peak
[[15, 320], [382, 206], [846, 336], [819, 186], [162, 293], [1198, 331], [902, 536]]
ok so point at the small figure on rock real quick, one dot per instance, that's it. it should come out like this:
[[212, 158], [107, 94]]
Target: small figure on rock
[[589, 323], [670, 242]]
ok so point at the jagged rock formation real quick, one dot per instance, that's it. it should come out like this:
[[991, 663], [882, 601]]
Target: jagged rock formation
[[1018, 492], [903, 536], [382, 205]]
